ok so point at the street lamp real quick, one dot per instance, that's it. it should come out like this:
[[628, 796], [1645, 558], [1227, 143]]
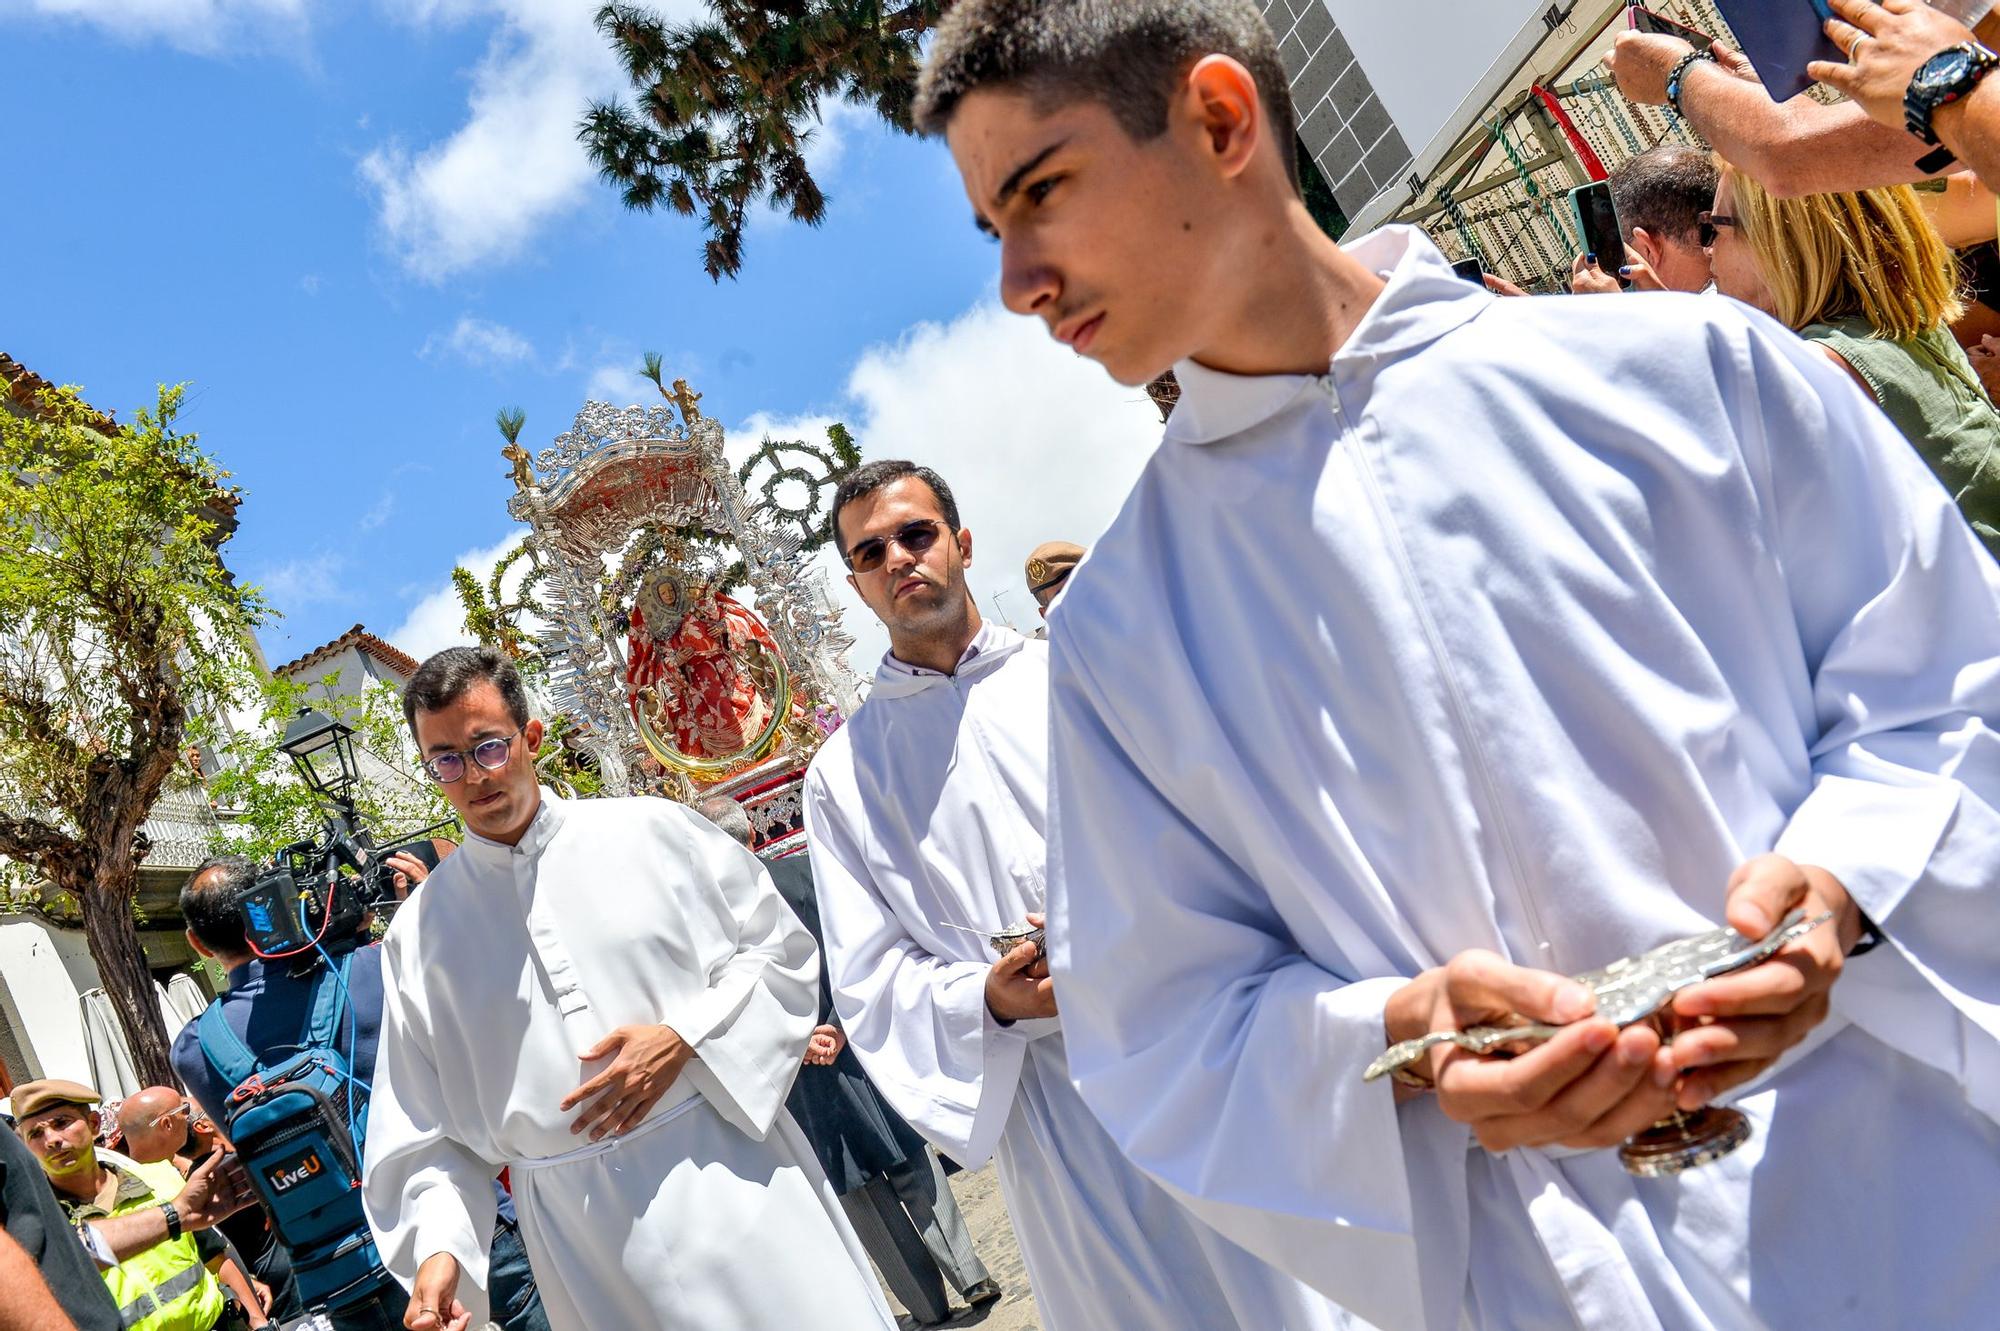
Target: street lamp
[[323, 751]]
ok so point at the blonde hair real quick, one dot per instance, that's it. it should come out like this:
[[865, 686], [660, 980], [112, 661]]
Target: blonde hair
[[1831, 256]]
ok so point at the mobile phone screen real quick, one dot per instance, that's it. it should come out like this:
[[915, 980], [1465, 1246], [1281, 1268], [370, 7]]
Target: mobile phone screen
[[1645, 20], [1470, 270], [1597, 219]]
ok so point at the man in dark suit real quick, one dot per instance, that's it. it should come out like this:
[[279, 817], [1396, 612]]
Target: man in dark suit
[[889, 1182]]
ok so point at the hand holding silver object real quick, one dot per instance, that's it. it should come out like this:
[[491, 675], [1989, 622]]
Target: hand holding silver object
[[1009, 938], [1628, 991]]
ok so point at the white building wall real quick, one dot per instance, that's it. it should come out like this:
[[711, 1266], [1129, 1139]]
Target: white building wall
[[42, 973]]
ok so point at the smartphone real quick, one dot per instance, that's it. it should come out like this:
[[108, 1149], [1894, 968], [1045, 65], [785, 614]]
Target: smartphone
[[1645, 20], [1471, 271], [1597, 222]]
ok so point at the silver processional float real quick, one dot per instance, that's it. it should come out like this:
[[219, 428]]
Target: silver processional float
[[640, 535]]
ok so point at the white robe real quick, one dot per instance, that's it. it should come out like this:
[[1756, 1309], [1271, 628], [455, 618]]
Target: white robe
[[1519, 630], [712, 1212], [927, 809]]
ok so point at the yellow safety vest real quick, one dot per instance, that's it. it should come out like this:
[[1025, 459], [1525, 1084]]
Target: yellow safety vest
[[166, 1287]]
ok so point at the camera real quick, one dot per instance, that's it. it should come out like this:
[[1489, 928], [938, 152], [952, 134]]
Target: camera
[[317, 893]]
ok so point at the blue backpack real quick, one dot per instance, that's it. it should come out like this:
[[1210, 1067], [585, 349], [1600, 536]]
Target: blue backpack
[[291, 1127]]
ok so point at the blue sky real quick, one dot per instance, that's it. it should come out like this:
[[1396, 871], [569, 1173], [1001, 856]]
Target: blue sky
[[357, 229]]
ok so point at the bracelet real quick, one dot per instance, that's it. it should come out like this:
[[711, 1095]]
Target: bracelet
[[173, 1215], [1871, 938], [1679, 73]]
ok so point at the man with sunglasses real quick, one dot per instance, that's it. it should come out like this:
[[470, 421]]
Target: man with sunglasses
[[925, 815], [609, 999]]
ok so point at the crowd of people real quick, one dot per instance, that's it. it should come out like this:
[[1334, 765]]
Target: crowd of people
[[1452, 644]]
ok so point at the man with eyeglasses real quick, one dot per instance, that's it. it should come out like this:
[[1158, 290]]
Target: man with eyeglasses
[[925, 815], [266, 1004], [609, 999]]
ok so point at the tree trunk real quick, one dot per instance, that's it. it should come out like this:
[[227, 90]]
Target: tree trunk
[[121, 964]]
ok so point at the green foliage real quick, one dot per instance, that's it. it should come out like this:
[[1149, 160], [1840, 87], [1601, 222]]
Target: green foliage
[[562, 768], [511, 420], [722, 109], [267, 806], [120, 621], [120, 617]]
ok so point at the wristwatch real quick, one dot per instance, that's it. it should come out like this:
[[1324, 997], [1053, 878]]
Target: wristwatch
[[1945, 78], [173, 1215]]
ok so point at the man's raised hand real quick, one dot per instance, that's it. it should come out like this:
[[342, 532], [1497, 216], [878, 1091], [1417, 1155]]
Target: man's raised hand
[[215, 1190], [648, 1060], [1641, 61], [1886, 45]]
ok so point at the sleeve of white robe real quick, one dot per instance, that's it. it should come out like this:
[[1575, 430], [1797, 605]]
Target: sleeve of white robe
[[1219, 1057], [749, 1027], [424, 1192], [918, 1023], [1898, 610]]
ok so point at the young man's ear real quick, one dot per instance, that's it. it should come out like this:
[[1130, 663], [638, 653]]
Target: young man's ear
[[1222, 95], [965, 546]]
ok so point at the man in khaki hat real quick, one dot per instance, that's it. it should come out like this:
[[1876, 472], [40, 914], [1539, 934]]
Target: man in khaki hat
[[1049, 567], [145, 1227]]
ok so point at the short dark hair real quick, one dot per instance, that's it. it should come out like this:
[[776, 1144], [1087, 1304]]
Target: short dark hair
[[1664, 190], [865, 480], [209, 901], [1124, 54], [443, 680]]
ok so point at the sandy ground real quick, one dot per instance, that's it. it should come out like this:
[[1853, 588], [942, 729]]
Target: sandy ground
[[986, 1216]]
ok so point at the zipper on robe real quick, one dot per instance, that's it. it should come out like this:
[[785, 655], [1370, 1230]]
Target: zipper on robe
[[1475, 754]]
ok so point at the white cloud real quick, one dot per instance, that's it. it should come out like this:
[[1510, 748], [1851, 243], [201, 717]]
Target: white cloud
[[379, 512], [1037, 443], [438, 620], [202, 26], [310, 580], [479, 342], [621, 386], [515, 165]]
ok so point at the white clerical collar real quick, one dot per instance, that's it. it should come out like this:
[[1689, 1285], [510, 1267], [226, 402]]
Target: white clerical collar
[[1423, 301], [991, 645], [541, 829]]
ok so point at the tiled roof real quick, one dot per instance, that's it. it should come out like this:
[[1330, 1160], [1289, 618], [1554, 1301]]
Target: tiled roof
[[399, 661], [23, 385]]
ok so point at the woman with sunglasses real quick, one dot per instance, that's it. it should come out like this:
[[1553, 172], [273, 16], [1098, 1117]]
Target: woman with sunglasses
[[1867, 278]]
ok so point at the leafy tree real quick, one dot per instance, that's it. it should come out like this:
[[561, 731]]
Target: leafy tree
[[271, 807], [120, 621], [722, 109]]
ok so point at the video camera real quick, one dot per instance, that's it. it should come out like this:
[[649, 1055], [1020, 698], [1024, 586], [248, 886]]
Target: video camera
[[317, 892]]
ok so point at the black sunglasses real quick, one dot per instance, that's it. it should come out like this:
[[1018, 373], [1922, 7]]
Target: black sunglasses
[[1708, 225], [916, 537]]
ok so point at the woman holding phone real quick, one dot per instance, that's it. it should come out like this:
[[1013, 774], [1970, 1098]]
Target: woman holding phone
[[1867, 278]]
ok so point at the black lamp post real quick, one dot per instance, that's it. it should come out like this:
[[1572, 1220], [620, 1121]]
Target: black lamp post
[[323, 750]]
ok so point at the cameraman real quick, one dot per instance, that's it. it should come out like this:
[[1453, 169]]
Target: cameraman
[[266, 1005]]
